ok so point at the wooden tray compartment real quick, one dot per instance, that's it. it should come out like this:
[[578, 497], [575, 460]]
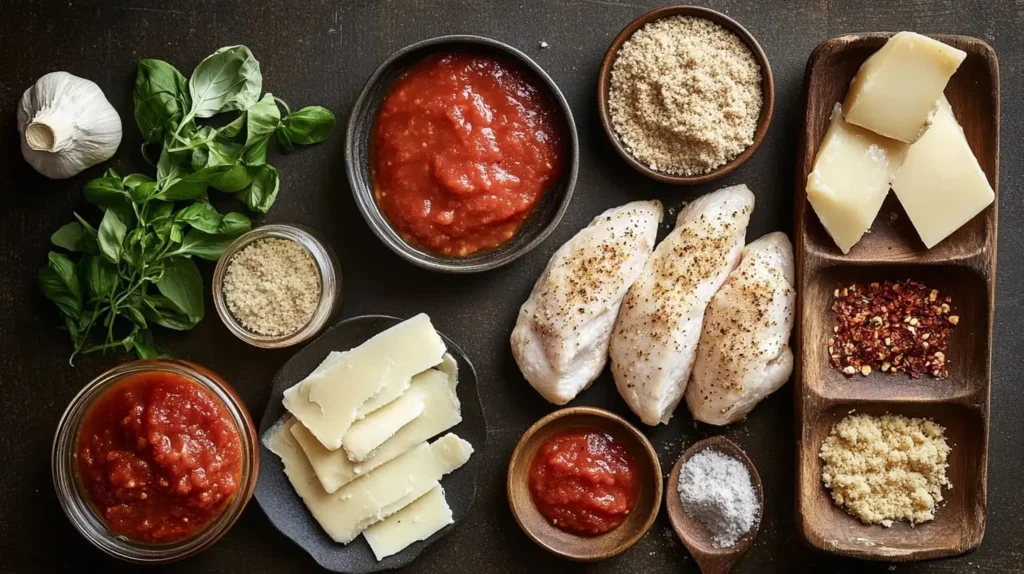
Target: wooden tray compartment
[[959, 522], [962, 266], [973, 92], [967, 354]]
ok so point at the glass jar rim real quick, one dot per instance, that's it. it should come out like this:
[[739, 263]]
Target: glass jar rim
[[328, 271], [84, 516]]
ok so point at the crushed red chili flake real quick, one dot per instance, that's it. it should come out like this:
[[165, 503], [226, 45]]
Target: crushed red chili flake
[[891, 327]]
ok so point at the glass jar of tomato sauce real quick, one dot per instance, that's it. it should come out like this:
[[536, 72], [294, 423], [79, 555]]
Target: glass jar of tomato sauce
[[129, 464]]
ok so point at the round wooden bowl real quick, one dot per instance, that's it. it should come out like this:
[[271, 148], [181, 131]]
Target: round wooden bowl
[[767, 92], [692, 532], [573, 546]]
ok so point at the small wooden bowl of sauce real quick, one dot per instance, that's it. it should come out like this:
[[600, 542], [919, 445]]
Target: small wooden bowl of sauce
[[567, 438]]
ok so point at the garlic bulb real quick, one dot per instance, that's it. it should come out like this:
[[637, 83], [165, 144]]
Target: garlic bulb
[[66, 125]]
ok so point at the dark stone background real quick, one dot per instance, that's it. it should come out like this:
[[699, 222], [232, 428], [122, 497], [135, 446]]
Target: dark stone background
[[320, 52]]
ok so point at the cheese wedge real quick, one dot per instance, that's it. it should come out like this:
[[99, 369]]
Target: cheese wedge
[[441, 411], [367, 434], [941, 185], [348, 511], [418, 521], [327, 402], [896, 90], [851, 178]]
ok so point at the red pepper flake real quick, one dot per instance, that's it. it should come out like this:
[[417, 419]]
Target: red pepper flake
[[891, 327]]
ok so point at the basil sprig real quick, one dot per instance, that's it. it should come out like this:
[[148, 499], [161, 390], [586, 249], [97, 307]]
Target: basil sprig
[[137, 268]]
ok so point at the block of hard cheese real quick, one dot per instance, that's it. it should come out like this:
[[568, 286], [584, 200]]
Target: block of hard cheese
[[367, 434], [418, 521], [441, 411], [941, 185], [851, 178], [896, 90], [389, 488], [327, 401]]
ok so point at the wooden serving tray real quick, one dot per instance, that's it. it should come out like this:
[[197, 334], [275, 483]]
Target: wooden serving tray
[[962, 266]]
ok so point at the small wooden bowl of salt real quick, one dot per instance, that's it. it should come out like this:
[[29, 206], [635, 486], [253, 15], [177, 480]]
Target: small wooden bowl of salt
[[718, 512], [685, 94]]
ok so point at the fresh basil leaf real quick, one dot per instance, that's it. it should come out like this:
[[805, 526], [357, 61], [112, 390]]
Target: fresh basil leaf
[[131, 181], [234, 180], [59, 283], [309, 125], [161, 98], [223, 151], [260, 195], [144, 191], [192, 186], [159, 211], [203, 245], [201, 216], [256, 154], [234, 224], [233, 129], [170, 165], [182, 285], [111, 236], [142, 340], [263, 119], [227, 80], [105, 191], [71, 236], [100, 276], [200, 158], [284, 142], [159, 309]]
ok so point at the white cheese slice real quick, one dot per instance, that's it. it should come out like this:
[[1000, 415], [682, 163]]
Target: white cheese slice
[[418, 521], [348, 511], [388, 394], [327, 402], [896, 90], [441, 411], [941, 185], [367, 434], [851, 178]]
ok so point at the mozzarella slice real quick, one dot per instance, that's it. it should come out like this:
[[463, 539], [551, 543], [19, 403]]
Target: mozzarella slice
[[418, 521], [327, 402], [441, 411], [345, 513], [367, 434]]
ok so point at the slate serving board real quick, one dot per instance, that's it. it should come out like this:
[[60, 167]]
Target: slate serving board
[[286, 510]]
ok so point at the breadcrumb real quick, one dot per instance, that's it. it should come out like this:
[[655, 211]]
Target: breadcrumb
[[888, 468], [685, 95], [272, 287]]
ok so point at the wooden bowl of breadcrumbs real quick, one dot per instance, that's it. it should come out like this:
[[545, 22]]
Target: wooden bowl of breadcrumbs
[[685, 94]]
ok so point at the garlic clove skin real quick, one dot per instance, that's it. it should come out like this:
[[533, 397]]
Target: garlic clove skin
[[66, 125]]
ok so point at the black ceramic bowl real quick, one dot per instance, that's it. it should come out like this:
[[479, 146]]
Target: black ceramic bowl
[[546, 214]]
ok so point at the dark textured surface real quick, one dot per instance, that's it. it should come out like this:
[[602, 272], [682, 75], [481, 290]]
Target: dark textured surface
[[285, 509], [321, 52]]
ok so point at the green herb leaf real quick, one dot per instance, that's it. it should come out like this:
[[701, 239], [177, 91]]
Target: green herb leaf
[[234, 180], [170, 165], [71, 236], [108, 192], [234, 224], [159, 309], [260, 195], [233, 129], [161, 98], [263, 119], [143, 343], [309, 125], [133, 180], [143, 192], [100, 276], [111, 236], [59, 283], [203, 245], [192, 186], [256, 154], [182, 285], [227, 80], [202, 216]]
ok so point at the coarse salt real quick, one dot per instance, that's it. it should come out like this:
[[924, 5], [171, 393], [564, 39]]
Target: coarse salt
[[716, 489]]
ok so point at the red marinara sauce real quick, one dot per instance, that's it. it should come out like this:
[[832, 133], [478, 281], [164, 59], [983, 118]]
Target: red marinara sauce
[[583, 481], [463, 148], [159, 457]]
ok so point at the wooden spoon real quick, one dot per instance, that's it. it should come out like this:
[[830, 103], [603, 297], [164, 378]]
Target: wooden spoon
[[692, 532]]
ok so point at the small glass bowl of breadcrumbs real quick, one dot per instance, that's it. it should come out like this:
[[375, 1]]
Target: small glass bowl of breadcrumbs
[[277, 286]]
